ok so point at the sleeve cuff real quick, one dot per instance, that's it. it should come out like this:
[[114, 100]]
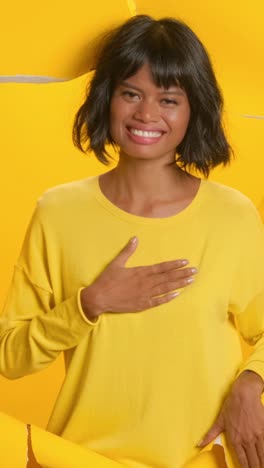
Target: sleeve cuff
[[255, 366], [82, 312]]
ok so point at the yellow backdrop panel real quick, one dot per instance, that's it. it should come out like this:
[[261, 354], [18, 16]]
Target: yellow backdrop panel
[[55, 38]]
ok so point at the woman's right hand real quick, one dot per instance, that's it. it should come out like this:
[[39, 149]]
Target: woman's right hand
[[119, 289]]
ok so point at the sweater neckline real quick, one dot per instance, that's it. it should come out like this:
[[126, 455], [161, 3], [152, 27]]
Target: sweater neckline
[[187, 212]]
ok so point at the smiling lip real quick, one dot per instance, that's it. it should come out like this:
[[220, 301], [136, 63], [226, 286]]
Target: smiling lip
[[144, 137]]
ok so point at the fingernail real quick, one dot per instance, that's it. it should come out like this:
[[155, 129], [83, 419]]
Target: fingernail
[[184, 262], [194, 270], [200, 443], [189, 280], [133, 240], [177, 293]]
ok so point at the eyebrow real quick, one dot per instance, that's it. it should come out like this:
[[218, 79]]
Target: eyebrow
[[178, 91]]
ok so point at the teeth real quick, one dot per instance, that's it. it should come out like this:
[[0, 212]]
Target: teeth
[[145, 134]]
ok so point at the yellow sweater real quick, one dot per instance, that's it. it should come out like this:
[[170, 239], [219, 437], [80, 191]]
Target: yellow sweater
[[141, 388]]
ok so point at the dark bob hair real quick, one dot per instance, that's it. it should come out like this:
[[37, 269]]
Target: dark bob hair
[[176, 57]]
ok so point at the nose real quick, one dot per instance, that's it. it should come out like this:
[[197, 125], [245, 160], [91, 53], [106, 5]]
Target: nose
[[147, 111]]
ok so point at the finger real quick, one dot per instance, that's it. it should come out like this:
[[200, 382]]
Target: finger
[[252, 456], [165, 266], [171, 286], [215, 430], [172, 276], [241, 456], [156, 301], [126, 252]]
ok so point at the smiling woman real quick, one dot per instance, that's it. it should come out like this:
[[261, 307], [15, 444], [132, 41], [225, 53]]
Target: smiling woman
[[140, 274]]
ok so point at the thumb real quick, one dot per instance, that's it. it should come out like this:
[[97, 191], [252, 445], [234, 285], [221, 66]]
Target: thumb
[[215, 430], [126, 252]]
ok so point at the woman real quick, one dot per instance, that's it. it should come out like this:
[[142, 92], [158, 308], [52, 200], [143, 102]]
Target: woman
[[151, 365]]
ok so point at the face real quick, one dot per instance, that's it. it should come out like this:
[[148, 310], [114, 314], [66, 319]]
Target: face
[[148, 122]]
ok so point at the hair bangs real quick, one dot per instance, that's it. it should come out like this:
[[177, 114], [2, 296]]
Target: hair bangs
[[129, 66], [165, 65], [166, 61], [165, 71]]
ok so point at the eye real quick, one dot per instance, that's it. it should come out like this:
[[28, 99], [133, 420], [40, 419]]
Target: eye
[[170, 102], [130, 96]]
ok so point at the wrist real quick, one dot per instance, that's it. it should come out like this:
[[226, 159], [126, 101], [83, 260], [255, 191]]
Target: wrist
[[90, 304]]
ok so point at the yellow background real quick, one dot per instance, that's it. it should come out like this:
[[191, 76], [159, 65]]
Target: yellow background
[[36, 148]]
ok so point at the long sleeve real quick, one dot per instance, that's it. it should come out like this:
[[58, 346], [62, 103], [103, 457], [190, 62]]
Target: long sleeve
[[34, 329], [247, 303]]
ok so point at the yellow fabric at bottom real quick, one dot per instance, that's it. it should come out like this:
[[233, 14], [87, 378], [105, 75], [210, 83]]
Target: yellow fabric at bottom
[[50, 451], [54, 452]]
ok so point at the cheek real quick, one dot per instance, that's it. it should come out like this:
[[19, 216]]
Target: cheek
[[115, 127], [180, 120], [118, 115]]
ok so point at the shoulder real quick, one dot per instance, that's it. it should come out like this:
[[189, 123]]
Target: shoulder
[[65, 204], [228, 199], [66, 197], [230, 209], [69, 191]]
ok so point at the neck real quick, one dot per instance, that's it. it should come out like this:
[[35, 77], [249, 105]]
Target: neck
[[146, 180], [149, 188]]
